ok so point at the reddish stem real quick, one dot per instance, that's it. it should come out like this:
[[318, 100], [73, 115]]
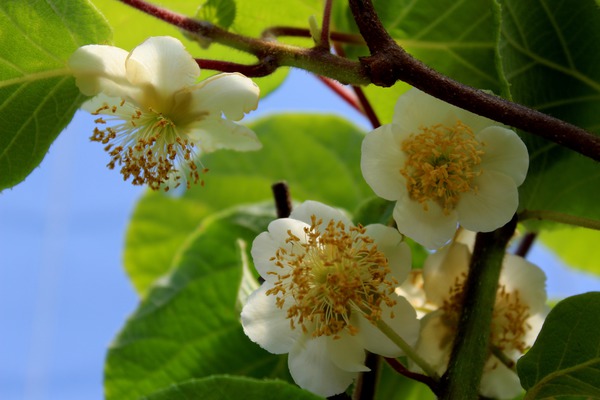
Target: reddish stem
[[402, 370], [341, 91]]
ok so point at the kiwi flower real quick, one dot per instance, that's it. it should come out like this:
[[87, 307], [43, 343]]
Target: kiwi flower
[[154, 116], [328, 285], [444, 166]]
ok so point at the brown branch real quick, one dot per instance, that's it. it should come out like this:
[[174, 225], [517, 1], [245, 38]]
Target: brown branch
[[389, 63], [402, 370]]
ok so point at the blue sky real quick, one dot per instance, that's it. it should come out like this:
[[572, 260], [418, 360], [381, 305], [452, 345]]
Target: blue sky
[[63, 292]]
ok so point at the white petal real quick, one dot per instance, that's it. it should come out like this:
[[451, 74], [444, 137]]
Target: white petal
[[535, 322], [313, 370], [416, 109], [443, 269], [381, 161], [306, 210], [347, 353], [266, 324], [216, 134], [266, 244], [491, 206], [499, 382], [431, 228], [505, 152], [435, 342], [230, 94], [528, 279], [404, 323], [390, 242], [101, 69], [162, 63]]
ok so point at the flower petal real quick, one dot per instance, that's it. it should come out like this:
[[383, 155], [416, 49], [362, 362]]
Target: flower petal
[[347, 353], [404, 323], [431, 228], [266, 324], [216, 134], [266, 245], [390, 242], [306, 210], [443, 269], [381, 160], [498, 381], [313, 370], [434, 343], [505, 152], [492, 206], [164, 64], [101, 69], [528, 279], [230, 94]]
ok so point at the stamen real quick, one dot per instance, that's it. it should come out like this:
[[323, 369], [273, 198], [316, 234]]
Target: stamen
[[441, 163], [146, 145], [335, 271]]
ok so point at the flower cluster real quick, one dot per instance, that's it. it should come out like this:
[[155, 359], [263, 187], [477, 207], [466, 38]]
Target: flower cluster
[[153, 115], [331, 289], [328, 285], [518, 314]]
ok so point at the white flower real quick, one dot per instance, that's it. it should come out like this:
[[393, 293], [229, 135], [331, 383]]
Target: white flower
[[444, 165], [327, 283], [154, 113], [518, 314]]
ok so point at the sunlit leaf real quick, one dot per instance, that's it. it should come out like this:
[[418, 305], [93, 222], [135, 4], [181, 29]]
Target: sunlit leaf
[[38, 96], [318, 156], [565, 359], [576, 247], [550, 53], [230, 387], [188, 326], [218, 12]]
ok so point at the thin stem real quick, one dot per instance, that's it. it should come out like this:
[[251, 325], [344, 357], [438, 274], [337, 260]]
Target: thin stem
[[283, 201], [366, 383], [277, 31], [470, 350], [407, 349], [261, 69], [525, 244], [559, 217], [510, 364], [324, 41], [366, 107], [402, 370], [341, 91]]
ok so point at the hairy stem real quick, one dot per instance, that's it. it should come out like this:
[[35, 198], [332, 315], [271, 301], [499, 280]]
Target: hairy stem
[[366, 383], [470, 350]]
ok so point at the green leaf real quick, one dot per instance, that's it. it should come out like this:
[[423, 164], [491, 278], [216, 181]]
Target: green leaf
[[188, 326], [229, 387], [319, 157], [131, 27], [38, 96], [457, 38], [217, 12], [565, 358], [550, 52], [576, 247]]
